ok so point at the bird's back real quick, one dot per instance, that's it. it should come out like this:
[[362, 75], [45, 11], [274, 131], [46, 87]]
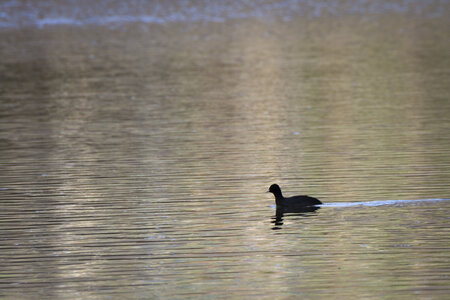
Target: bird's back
[[300, 201]]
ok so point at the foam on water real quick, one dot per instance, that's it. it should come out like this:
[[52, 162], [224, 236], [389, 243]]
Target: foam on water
[[376, 203], [380, 203]]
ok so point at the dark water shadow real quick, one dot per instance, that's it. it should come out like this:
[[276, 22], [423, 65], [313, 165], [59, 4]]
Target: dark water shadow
[[305, 212]]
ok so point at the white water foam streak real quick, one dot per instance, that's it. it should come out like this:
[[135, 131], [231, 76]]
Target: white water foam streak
[[380, 203]]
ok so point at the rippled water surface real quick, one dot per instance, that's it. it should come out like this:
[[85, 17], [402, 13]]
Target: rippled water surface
[[135, 153]]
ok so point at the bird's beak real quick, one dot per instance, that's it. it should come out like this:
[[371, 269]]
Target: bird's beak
[[267, 191]]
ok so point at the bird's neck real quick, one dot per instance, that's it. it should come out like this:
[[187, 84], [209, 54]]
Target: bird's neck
[[279, 198]]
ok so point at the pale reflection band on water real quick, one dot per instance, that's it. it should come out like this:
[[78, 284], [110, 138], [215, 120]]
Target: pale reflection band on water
[[112, 13]]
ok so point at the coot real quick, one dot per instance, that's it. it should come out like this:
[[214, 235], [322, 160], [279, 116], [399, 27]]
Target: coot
[[291, 202]]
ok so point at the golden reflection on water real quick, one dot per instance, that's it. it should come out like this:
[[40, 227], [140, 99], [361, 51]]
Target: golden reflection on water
[[135, 160]]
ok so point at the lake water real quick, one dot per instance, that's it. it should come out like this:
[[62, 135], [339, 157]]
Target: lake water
[[137, 143]]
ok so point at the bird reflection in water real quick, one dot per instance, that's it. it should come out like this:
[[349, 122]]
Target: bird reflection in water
[[304, 212]]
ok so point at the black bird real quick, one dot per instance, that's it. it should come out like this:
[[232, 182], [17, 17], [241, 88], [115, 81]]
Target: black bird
[[291, 203]]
